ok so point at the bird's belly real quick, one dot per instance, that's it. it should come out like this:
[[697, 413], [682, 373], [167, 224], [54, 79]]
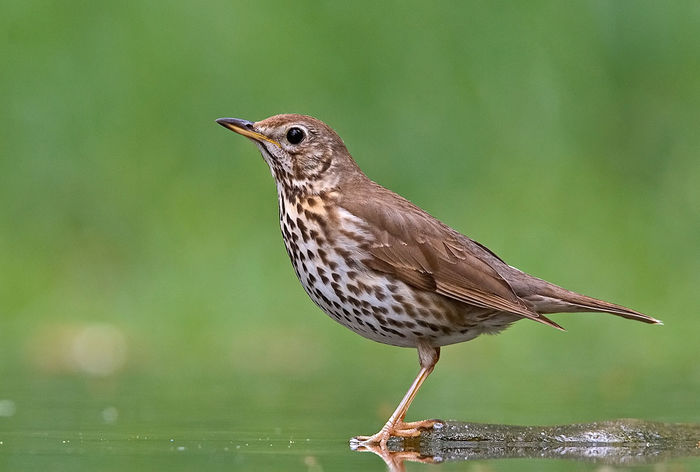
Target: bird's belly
[[376, 305]]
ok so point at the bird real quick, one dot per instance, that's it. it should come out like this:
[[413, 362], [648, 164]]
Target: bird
[[386, 269]]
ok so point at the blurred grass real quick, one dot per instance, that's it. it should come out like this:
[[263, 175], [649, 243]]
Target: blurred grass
[[563, 135]]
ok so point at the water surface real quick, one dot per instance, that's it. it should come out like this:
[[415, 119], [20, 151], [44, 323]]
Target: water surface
[[152, 424]]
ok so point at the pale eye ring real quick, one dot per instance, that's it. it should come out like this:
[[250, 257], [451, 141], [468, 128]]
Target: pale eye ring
[[295, 135]]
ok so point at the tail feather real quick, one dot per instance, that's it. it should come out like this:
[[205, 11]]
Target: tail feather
[[550, 298], [593, 304]]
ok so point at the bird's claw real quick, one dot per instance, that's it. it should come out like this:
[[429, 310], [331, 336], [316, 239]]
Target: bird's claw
[[400, 430], [394, 459]]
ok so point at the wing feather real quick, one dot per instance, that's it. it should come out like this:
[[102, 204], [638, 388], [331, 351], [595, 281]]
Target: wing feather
[[423, 252]]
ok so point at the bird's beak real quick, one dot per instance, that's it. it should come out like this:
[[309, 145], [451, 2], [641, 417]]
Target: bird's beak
[[246, 128]]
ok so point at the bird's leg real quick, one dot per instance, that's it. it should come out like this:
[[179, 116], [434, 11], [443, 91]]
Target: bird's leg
[[395, 426]]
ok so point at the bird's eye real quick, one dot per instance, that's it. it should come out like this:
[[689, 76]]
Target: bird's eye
[[295, 135]]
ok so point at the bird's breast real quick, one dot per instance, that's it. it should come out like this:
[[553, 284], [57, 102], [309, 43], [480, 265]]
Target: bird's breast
[[327, 245]]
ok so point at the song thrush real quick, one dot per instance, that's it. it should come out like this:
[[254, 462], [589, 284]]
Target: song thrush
[[386, 269]]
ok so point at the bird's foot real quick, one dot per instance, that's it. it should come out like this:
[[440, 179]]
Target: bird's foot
[[394, 459], [399, 429]]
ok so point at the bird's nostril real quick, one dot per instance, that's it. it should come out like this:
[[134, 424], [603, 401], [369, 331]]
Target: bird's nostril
[[249, 125]]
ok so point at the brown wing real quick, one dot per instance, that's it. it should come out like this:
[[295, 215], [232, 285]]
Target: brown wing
[[423, 252]]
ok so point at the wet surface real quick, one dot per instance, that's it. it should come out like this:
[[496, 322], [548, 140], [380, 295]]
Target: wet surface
[[278, 449], [183, 423], [615, 443], [181, 451]]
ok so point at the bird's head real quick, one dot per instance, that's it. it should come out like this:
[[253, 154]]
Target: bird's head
[[304, 154]]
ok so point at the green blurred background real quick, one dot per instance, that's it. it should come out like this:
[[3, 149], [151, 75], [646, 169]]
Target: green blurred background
[[144, 287]]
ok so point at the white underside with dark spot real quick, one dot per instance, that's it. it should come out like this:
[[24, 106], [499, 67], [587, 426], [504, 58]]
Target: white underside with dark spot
[[384, 310]]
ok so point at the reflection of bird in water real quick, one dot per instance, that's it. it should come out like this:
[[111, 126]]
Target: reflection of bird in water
[[385, 268]]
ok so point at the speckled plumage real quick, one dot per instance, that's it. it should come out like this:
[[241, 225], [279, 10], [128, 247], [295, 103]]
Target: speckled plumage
[[329, 249], [384, 268]]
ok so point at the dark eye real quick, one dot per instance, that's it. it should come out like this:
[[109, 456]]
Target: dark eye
[[295, 135]]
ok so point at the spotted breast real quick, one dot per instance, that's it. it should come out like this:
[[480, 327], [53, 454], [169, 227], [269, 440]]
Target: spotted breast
[[328, 247]]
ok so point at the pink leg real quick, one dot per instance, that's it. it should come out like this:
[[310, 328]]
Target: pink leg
[[395, 426]]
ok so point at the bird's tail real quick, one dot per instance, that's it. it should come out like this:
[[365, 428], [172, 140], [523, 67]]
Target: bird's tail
[[550, 298]]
